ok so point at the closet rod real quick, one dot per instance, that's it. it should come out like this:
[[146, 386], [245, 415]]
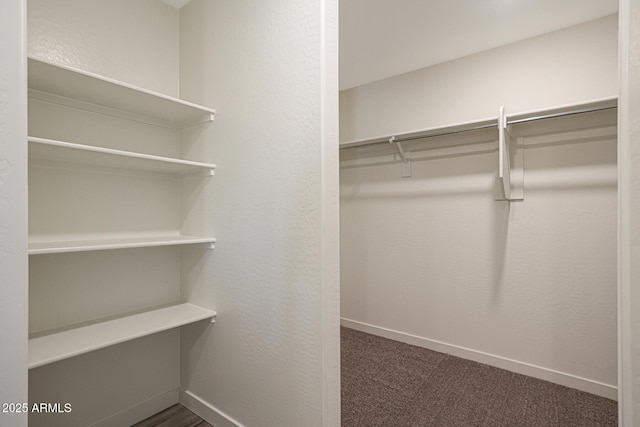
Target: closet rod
[[427, 133], [452, 132], [474, 127], [561, 114]]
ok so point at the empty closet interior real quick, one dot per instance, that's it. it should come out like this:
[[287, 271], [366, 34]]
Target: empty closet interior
[[478, 207], [477, 197]]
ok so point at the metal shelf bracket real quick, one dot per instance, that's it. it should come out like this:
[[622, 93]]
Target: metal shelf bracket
[[204, 118], [510, 162], [504, 164], [403, 156]]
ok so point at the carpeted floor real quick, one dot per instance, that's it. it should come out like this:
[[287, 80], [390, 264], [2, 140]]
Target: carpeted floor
[[391, 384], [175, 416]]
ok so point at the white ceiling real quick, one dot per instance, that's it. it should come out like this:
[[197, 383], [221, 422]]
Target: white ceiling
[[176, 3], [383, 38]]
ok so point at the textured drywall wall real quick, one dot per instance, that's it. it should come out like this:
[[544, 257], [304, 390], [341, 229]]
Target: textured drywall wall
[[272, 278], [131, 41], [135, 42], [101, 385], [330, 228], [629, 218], [531, 284], [13, 212], [554, 69]]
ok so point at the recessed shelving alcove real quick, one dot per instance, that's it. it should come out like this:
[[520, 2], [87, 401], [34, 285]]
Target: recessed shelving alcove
[[89, 197]]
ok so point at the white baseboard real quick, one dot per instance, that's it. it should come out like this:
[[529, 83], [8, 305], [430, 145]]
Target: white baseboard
[[142, 410], [206, 411], [562, 378]]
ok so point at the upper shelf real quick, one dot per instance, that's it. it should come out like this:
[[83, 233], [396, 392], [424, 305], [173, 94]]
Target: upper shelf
[[69, 83]]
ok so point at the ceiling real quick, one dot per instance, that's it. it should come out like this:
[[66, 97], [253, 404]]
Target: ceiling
[[176, 3], [383, 38]]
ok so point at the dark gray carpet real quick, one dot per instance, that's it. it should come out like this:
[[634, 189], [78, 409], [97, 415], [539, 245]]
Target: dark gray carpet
[[175, 416], [391, 384]]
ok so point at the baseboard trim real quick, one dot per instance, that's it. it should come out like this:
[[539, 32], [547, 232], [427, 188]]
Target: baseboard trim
[[142, 410], [562, 378], [206, 411]]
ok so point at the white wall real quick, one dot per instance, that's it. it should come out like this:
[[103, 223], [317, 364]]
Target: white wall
[[529, 286], [136, 42], [629, 218], [270, 360], [128, 41], [529, 75], [13, 211]]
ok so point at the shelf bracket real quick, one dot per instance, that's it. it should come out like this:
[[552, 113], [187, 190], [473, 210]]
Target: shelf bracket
[[403, 156], [205, 173], [212, 245], [205, 118], [504, 155], [213, 319], [510, 176]]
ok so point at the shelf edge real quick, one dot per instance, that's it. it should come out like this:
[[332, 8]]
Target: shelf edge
[[186, 240], [191, 313], [122, 153], [38, 65]]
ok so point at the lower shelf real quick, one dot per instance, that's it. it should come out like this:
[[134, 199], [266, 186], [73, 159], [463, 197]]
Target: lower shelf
[[62, 345]]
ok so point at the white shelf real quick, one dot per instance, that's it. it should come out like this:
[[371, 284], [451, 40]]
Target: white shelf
[[39, 247], [76, 85], [62, 345], [41, 148]]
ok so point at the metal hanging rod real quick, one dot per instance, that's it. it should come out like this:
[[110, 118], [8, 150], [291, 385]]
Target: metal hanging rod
[[447, 133], [561, 114], [475, 126], [432, 133]]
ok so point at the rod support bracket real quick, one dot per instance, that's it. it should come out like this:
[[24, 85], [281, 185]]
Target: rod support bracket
[[401, 152]]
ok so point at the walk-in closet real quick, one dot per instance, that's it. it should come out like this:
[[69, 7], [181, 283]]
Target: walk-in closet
[[315, 213], [479, 220]]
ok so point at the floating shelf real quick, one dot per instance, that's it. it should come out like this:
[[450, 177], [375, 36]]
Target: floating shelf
[[40, 247], [40, 148], [46, 79], [62, 345]]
